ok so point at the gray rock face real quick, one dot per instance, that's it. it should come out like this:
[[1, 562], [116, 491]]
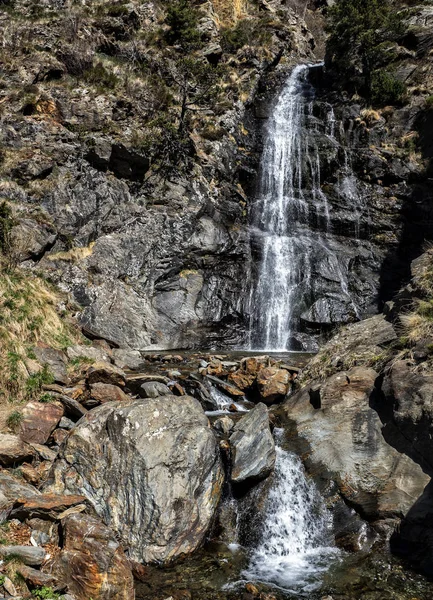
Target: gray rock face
[[343, 436], [154, 389], [252, 447], [407, 407], [152, 471]]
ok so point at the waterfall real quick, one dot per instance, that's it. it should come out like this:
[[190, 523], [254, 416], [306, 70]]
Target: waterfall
[[296, 540], [289, 219]]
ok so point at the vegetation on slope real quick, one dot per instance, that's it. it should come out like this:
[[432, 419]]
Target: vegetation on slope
[[361, 47]]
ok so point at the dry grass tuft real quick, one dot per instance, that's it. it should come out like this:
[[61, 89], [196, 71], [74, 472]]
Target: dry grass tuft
[[229, 12], [29, 314], [74, 255]]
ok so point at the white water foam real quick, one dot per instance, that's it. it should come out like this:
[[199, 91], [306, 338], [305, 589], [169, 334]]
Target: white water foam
[[296, 545]]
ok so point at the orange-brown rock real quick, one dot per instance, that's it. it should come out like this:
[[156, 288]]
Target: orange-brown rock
[[92, 563], [103, 372], [59, 435], [242, 379], [273, 384], [39, 421], [30, 474], [47, 506], [37, 578], [13, 450], [106, 392]]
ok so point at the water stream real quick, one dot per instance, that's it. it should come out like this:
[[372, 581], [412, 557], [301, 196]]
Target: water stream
[[296, 545]]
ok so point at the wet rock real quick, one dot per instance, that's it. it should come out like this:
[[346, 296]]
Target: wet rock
[[161, 486], [252, 447], [273, 384], [13, 450], [92, 562], [105, 392], [343, 438], [154, 389], [29, 555], [225, 387], [39, 421], [55, 360], [103, 372]]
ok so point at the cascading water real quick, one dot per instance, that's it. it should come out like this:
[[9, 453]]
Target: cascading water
[[296, 542], [289, 219]]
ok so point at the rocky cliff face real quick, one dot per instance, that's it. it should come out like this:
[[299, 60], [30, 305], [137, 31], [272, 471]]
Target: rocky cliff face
[[152, 247]]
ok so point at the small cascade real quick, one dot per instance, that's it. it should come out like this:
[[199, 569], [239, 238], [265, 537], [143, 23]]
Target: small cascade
[[223, 403], [296, 544]]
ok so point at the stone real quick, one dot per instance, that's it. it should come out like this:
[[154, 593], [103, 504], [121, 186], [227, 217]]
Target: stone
[[273, 384], [413, 540], [92, 563], [59, 436], [55, 360], [242, 379], [128, 359], [44, 452], [72, 407], [103, 372], [9, 586], [66, 423], [224, 424], [29, 555], [30, 474], [106, 392], [13, 450], [227, 388], [252, 447], [154, 389], [90, 352], [37, 578], [161, 485], [39, 421], [341, 435], [46, 506], [406, 409]]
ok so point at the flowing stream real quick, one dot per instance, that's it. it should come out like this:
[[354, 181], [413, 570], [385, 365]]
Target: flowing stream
[[296, 544]]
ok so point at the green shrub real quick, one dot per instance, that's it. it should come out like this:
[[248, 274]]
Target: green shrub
[[14, 419], [429, 103], [100, 77], [45, 593], [386, 89], [7, 222], [247, 32], [182, 18], [35, 382]]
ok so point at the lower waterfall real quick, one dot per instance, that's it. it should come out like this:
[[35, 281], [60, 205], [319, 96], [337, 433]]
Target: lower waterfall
[[296, 545]]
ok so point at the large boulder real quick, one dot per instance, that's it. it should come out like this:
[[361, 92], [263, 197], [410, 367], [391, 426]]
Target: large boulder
[[407, 406], [92, 563], [151, 470], [252, 447], [342, 436], [273, 384], [39, 421]]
